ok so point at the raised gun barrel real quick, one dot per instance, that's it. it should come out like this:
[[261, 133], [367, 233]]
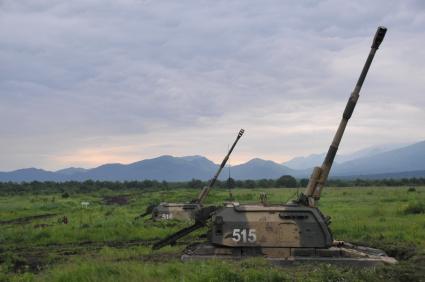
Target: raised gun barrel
[[320, 174], [204, 192]]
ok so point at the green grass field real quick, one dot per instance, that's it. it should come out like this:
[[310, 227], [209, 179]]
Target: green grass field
[[105, 242]]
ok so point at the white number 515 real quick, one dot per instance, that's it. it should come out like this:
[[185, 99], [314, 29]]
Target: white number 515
[[246, 235]]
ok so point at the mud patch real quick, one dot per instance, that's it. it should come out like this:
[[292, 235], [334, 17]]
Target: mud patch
[[71, 248], [154, 258], [399, 250], [116, 200], [24, 262], [41, 225], [37, 258], [27, 219], [410, 270]]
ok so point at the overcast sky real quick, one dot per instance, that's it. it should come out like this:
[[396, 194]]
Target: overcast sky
[[88, 82]]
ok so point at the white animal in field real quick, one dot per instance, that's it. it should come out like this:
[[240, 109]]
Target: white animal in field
[[85, 204]]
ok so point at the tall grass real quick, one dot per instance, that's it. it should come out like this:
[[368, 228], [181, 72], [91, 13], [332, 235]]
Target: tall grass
[[383, 217]]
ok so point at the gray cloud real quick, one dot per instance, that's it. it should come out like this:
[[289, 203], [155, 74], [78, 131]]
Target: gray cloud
[[84, 82]]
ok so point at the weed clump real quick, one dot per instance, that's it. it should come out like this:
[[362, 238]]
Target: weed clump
[[411, 189], [415, 208]]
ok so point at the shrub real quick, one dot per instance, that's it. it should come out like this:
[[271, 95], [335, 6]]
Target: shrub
[[411, 189], [415, 208], [286, 181]]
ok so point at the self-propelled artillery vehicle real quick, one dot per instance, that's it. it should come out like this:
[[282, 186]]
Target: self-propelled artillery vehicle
[[284, 233], [186, 211]]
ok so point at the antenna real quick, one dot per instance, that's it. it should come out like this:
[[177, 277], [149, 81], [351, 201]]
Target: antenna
[[229, 185]]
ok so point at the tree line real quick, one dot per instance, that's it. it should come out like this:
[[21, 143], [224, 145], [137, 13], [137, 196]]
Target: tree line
[[285, 181]]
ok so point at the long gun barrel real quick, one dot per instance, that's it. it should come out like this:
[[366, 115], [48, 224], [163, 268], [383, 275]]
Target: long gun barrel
[[320, 174], [204, 192], [201, 218]]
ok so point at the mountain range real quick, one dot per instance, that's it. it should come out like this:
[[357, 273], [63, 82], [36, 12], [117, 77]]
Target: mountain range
[[316, 159], [388, 161]]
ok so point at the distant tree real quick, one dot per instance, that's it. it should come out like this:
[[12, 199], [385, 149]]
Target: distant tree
[[89, 182], [164, 184], [286, 181], [265, 183], [239, 183], [196, 183], [147, 183], [230, 183], [249, 183], [220, 184], [303, 182], [339, 183], [361, 182]]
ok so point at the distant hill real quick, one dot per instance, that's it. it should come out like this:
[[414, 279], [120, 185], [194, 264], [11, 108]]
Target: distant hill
[[409, 158], [370, 151], [71, 170], [395, 175], [258, 169], [305, 162], [162, 168], [313, 160], [30, 174], [408, 161]]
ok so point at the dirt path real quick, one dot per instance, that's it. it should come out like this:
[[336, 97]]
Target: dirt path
[[27, 219], [85, 245], [36, 258]]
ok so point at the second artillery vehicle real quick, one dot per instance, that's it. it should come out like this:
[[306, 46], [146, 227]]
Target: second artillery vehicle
[[186, 211], [284, 233]]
